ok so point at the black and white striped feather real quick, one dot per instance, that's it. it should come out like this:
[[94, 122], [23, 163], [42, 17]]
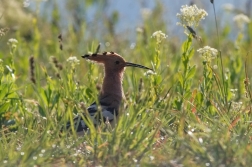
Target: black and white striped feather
[[107, 113]]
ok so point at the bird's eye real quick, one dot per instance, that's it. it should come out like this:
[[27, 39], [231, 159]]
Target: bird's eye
[[117, 62]]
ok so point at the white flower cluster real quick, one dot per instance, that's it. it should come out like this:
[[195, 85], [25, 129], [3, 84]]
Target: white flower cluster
[[146, 13], [73, 61], [149, 72], [190, 16], [12, 41], [233, 92], [26, 3], [241, 19], [236, 106], [3, 31], [208, 53], [159, 35], [228, 7], [13, 44]]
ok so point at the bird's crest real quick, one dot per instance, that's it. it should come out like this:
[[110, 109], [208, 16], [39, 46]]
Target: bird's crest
[[111, 60]]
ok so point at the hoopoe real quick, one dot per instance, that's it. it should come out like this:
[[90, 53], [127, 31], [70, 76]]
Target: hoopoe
[[111, 93]]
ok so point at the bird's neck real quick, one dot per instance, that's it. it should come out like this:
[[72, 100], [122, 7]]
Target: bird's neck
[[112, 85]]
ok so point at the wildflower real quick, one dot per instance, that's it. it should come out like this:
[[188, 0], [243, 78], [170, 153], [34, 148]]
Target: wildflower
[[3, 31], [159, 35], [241, 20], [190, 133], [146, 13], [139, 30], [13, 44], [12, 41], [26, 3], [226, 76], [152, 158], [228, 7], [200, 140], [215, 66], [233, 92], [132, 45], [135, 160], [73, 61], [190, 16], [236, 106], [149, 72], [208, 53]]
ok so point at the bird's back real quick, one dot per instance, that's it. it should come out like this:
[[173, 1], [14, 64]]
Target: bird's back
[[107, 113]]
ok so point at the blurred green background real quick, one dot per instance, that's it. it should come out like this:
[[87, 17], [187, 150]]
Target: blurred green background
[[188, 112]]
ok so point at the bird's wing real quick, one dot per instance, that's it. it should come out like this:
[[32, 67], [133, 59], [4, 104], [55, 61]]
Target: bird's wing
[[107, 112]]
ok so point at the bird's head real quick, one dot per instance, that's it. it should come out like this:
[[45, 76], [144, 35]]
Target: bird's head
[[112, 61]]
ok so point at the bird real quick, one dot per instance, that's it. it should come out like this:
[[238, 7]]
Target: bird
[[111, 93]]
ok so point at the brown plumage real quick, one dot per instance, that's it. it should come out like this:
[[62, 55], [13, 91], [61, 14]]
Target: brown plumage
[[111, 93]]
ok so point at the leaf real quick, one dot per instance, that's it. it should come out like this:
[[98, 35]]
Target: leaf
[[4, 107], [88, 92], [199, 98], [191, 53], [55, 99], [191, 72], [41, 111], [180, 78], [157, 80], [187, 44], [3, 91], [48, 93]]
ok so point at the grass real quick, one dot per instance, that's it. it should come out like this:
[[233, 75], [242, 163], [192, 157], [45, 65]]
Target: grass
[[188, 113]]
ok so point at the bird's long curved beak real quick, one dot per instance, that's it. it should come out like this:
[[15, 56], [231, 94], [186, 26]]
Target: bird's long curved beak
[[137, 65]]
